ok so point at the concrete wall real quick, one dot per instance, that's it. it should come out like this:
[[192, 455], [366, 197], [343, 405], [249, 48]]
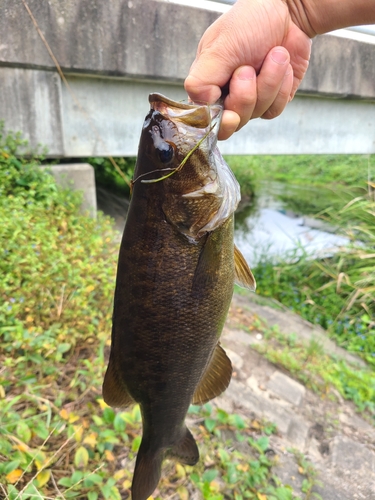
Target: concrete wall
[[114, 53]]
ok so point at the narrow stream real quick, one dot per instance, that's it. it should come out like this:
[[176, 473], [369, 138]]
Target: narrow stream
[[271, 227]]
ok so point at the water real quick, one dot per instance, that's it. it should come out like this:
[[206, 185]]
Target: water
[[269, 229]]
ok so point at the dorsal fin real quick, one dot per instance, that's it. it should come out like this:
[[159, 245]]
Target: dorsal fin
[[243, 275], [114, 392], [215, 379]]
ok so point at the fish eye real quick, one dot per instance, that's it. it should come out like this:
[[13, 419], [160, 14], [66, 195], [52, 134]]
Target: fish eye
[[166, 154]]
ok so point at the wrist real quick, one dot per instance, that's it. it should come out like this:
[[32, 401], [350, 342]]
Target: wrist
[[316, 17], [302, 16]]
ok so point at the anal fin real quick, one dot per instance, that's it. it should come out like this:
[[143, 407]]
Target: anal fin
[[215, 379], [243, 275], [114, 391], [186, 450]]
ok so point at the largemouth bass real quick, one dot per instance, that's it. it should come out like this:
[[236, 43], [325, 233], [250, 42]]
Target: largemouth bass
[[176, 270]]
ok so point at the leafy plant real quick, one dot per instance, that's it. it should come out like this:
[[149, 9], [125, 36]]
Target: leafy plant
[[107, 175]]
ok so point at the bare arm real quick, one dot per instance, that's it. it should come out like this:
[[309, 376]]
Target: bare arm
[[316, 17]]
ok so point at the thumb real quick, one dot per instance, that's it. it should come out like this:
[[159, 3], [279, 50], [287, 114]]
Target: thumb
[[206, 78]]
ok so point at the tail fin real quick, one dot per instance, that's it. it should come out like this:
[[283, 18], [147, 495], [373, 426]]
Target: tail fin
[[147, 473], [186, 450], [147, 470]]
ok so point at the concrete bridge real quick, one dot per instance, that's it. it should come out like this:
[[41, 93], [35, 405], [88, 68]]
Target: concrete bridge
[[114, 53]]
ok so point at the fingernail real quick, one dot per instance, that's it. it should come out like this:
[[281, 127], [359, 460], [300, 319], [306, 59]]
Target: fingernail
[[280, 56], [246, 73]]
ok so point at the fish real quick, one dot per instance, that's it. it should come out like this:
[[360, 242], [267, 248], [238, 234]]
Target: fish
[[176, 270]]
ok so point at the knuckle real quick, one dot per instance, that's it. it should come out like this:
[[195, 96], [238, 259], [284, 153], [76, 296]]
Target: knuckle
[[272, 112]]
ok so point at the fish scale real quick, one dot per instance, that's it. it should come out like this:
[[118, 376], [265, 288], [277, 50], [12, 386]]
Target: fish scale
[[174, 283]]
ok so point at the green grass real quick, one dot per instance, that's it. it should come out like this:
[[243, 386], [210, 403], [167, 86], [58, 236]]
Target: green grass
[[313, 170], [336, 292]]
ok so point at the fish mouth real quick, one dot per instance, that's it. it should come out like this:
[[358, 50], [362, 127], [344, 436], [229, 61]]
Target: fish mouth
[[197, 116]]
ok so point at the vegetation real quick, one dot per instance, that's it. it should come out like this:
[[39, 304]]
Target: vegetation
[[319, 371], [337, 292], [118, 178], [313, 170], [58, 439]]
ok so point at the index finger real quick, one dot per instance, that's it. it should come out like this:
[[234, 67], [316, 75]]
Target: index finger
[[199, 91]]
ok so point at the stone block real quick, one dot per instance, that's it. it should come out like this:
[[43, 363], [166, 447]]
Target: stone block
[[236, 359], [349, 455], [329, 492], [79, 177], [238, 336], [298, 433], [260, 405], [287, 388]]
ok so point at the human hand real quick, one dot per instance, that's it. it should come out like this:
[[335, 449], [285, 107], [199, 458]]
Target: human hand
[[260, 51]]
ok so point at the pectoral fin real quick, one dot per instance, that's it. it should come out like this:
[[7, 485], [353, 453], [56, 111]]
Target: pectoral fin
[[206, 273], [114, 391], [243, 275], [215, 379]]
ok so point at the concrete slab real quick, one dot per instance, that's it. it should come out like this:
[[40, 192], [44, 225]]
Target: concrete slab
[[155, 40], [286, 388], [310, 125], [260, 405], [237, 361], [350, 455]]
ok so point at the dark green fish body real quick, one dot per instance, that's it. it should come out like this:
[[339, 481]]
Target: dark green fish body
[[174, 283]]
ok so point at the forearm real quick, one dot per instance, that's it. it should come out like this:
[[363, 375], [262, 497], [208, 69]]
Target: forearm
[[320, 16]]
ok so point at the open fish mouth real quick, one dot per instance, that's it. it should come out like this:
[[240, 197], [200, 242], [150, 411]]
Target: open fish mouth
[[203, 118]]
